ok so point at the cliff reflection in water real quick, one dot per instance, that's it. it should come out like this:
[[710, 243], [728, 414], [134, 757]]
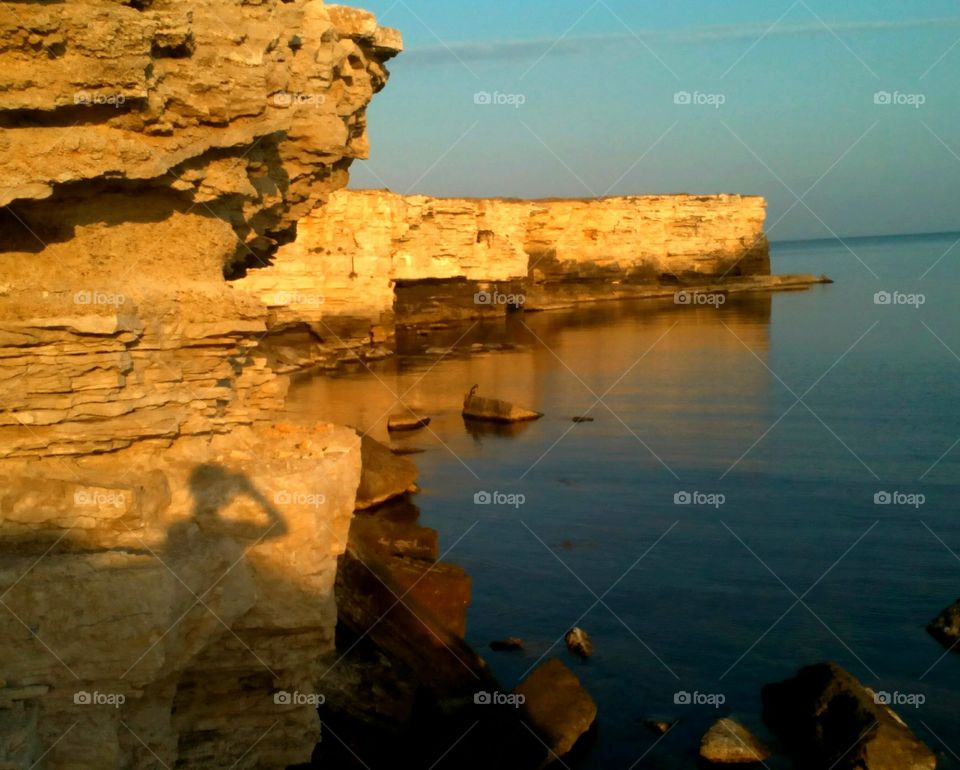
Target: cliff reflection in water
[[658, 367]]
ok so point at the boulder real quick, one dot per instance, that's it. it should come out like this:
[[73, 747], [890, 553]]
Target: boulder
[[384, 475], [578, 642], [945, 628], [557, 705], [729, 743], [493, 410], [831, 720]]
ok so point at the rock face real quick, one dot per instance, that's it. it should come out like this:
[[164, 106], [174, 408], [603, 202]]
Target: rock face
[[349, 253], [730, 743], [831, 720], [167, 556]]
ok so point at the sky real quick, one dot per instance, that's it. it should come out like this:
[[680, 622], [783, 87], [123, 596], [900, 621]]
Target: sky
[[845, 116]]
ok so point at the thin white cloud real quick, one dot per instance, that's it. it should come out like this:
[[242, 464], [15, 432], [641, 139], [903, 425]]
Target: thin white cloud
[[513, 50]]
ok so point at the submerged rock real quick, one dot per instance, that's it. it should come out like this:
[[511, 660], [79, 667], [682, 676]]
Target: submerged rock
[[578, 642], [583, 419], [945, 628], [402, 422], [558, 706], [383, 474], [831, 720], [728, 742], [510, 643], [493, 410]]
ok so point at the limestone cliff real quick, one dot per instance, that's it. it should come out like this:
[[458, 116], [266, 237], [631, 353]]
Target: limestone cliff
[[167, 557], [350, 254]]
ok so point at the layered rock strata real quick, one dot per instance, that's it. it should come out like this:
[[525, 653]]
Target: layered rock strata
[[167, 555], [351, 254]]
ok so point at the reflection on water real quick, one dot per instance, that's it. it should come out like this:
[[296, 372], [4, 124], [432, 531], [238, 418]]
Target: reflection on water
[[797, 408], [651, 361]]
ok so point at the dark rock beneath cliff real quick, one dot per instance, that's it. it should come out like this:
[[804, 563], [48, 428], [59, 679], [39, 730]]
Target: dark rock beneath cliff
[[730, 743], [578, 642], [831, 720], [383, 475], [557, 705], [493, 410], [945, 628]]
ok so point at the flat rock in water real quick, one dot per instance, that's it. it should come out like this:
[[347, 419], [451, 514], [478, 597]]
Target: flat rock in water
[[383, 474], [729, 742], [399, 422], [578, 642], [510, 643], [558, 706], [945, 628], [583, 419], [493, 410], [831, 720]]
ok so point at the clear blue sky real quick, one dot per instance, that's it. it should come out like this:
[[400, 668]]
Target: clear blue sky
[[598, 82]]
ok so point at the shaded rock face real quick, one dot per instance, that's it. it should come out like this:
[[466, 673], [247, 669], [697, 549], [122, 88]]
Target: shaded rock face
[[167, 556], [352, 250], [831, 720]]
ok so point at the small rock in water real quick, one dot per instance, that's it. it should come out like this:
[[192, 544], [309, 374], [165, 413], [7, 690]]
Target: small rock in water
[[492, 410], [407, 450], [510, 643], [578, 642], [945, 628], [658, 726], [438, 351], [729, 743], [583, 419], [397, 422]]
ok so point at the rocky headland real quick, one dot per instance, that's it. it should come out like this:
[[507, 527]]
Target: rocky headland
[[182, 572]]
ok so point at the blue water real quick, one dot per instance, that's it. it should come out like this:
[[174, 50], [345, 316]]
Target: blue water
[[699, 598]]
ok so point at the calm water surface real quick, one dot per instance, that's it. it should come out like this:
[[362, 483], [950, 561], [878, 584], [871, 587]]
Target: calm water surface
[[798, 408]]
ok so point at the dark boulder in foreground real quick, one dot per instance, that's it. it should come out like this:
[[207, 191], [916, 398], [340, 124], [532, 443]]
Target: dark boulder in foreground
[[945, 628], [730, 743], [383, 474], [830, 720], [492, 410], [557, 706]]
